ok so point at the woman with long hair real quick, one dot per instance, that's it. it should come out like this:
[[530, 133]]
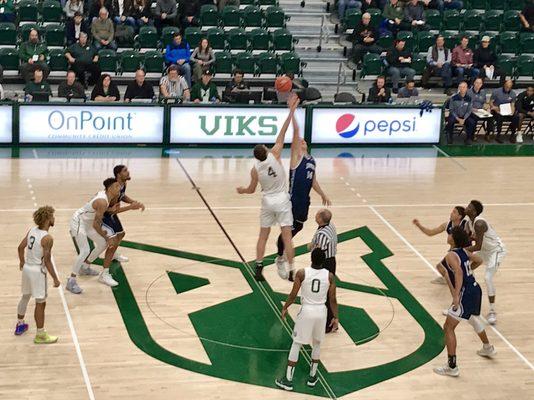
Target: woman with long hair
[[105, 90], [202, 59]]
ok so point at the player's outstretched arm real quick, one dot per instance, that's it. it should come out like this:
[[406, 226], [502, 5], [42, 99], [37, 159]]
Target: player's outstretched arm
[[47, 242], [430, 231], [21, 248], [251, 188], [333, 302], [295, 142], [315, 185], [480, 228], [276, 150], [133, 205], [100, 207], [299, 277]]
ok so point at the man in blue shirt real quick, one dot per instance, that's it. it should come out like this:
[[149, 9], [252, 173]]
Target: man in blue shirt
[[178, 52], [460, 107]]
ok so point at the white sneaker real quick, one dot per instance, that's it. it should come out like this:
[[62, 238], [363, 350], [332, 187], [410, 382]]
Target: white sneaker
[[120, 258], [87, 270], [445, 312], [72, 286], [492, 317], [489, 352], [447, 371], [281, 266], [439, 281], [106, 278], [519, 138]]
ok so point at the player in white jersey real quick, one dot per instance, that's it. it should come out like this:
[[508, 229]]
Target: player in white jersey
[[276, 203], [86, 223], [35, 256], [489, 247], [315, 284]]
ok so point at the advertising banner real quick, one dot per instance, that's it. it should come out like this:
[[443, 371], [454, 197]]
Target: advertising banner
[[6, 123]]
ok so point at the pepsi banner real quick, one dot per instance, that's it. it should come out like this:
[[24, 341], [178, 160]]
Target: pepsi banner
[[384, 125], [6, 123]]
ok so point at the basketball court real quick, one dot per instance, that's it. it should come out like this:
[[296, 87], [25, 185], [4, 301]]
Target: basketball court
[[189, 321]]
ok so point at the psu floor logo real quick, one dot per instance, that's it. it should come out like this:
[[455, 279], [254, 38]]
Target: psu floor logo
[[347, 126]]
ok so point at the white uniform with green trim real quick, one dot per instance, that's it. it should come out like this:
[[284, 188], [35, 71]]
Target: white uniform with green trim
[[34, 270]]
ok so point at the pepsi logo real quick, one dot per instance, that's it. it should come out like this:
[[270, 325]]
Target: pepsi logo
[[347, 126]]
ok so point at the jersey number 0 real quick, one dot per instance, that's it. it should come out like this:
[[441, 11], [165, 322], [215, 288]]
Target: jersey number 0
[[315, 285]]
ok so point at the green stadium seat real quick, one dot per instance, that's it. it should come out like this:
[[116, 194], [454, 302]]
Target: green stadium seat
[[259, 39], [376, 16], [268, 2], [290, 63], [167, 33], [223, 63], [433, 19], [494, 39], [248, 2], [372, 65], [476, 4], [9, 59], [54, 35], [352, 18], [25, 31], [8, 34], [57, 60], [409, 38], [130, 60], [509, 42], [524, 66], [51, 11], [148, 37], [27, 11], [282, 40], [232, 16], [267, 63], [209, 15], [472, 20], [127, 40], [217, 38], [526, 42], [192, 36], [275, 17], [237, 39], [252, 17], [425, 39], [496, 4], [451, 20], [506, 64], [451, 39], [419, 64], [107, 60], [385, 42], [511, 21], [246, 62], [153, 61], [493, 20], [515, 4]]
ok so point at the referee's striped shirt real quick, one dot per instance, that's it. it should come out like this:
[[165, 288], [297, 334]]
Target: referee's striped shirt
[[325, 238]]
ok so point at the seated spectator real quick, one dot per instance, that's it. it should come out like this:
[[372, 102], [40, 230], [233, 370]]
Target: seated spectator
[[438, 59], [122, 12], [165, 14], [70, 88], [205, 91], [462, 61], [443, 4], [174, 85], [365, 37], [103, 31], [74, 27], [479, 97], [379, 93], [179, 53], [139, 88], [38, 89], [400, 61], [223, 3], [414, 15], [202, 59], [344, 5], [407, 91], [32, 55], [525, 108], [72, 7], [141, 12], [7, 11], [367, 4], [83, 57], [526, 16], [105, 90], [485, 60], [460, 107], [502, 106], [236, 85], [96, 5], [189, 11], [393, 18]]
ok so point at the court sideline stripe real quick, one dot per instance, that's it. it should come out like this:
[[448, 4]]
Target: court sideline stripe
[[454, 160], [270, 301]]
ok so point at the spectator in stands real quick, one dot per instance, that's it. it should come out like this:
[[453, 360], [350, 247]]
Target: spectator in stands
[[70, 88], [400, 61], [205, 91], [479, 98], [527, 17], [165, 14], [379, 93], [438, 60], [460, 108], [141, 12], [443, 4], [122, 12], [462, 61], [32, 55], [139, 88], [72, 7], [103, 31], [96, 5], [367, 4], [414, 15], [189, 11], [236, 85], [393, 18], [485, 60], [7, 11], [344, 5], [223, 3], [83, 57], [409, 90], [174, 85], [202, 59], [178, 52], [365, 37], [105, 90], [38, 89], [502, 105], [74, 27], [525, 108]]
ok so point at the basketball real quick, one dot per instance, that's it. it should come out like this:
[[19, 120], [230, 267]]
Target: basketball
[[283, 84]]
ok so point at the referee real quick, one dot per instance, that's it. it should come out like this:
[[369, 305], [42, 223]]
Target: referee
[[325, 238]]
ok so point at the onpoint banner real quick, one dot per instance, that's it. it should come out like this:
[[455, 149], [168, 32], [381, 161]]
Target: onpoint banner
[[232, 125], [91, 124], [375, 125], [6, 123]]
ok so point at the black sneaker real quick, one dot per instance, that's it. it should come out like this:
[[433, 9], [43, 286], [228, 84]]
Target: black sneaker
[[291, 277], [259, 275], [498, 139]]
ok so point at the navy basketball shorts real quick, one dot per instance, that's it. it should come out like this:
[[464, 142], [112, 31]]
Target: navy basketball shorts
[[470, 302], [112, 224]]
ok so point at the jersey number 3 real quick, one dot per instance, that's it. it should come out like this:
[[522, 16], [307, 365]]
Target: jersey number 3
[[315, 285], [32, 241], [271, 172]]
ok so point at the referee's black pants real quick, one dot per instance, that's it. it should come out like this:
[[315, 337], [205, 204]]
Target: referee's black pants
[[330, 265]]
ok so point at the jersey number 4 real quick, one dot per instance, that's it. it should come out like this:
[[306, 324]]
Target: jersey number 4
[[271, 172], [315, 285], [32, 241]]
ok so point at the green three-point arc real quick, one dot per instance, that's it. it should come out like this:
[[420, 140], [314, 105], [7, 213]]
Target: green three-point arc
[[247, 321]]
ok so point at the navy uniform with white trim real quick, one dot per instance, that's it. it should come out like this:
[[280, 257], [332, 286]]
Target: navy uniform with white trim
[[111, 222]]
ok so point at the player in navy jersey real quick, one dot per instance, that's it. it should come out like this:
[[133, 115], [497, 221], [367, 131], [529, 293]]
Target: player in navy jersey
[[457, 269], [302, 179]]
